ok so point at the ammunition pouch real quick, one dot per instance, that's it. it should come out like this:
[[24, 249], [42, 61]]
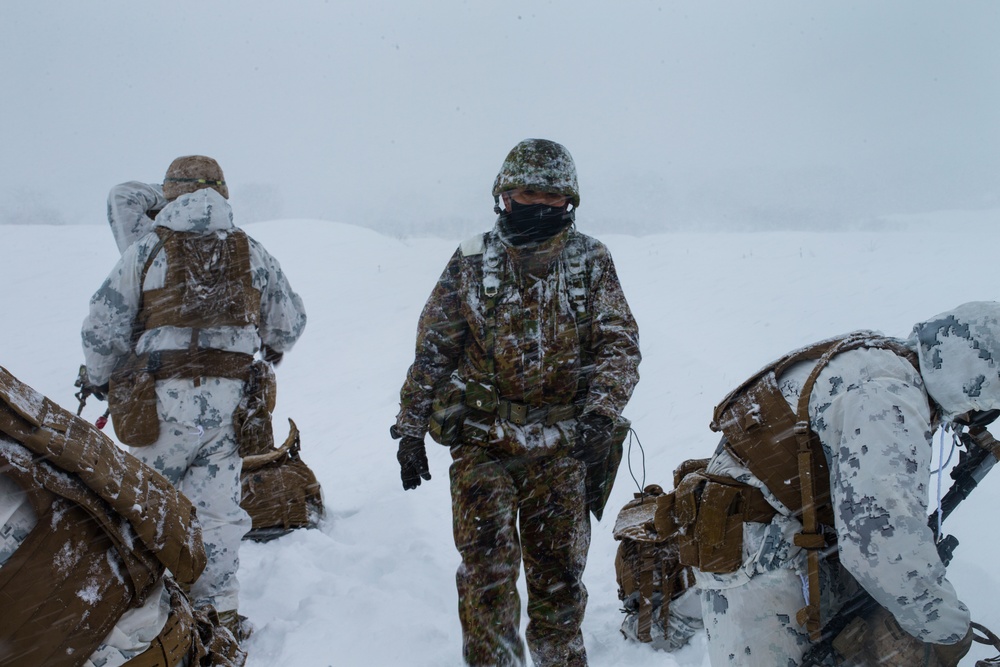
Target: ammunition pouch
[[132, 402], [448, 412], [710, 511], [463, 411]]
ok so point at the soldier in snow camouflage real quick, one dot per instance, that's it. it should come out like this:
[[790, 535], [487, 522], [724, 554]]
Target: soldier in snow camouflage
[[874, 414], [529, 337], [197, 447]]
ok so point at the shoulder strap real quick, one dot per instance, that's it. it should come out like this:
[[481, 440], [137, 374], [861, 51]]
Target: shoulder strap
[[139, 323], [811, 539], [494, 263]]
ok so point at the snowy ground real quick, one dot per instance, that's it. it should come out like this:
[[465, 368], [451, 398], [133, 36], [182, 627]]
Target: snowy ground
[[375, 585]]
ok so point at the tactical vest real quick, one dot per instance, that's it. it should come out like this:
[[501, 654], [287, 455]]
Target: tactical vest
[[459, 398], [780, 448], [107, 528], [208, 282]]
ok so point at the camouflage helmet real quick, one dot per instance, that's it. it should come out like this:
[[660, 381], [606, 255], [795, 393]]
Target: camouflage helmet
[[191, 173], [540, 165]]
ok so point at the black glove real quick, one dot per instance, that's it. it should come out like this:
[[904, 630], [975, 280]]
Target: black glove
[[412, 459], [271, 356], [593, 438]]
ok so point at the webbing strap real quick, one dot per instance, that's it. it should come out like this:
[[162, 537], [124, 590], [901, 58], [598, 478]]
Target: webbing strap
[[493, 270], [172, 364], [811, 539]]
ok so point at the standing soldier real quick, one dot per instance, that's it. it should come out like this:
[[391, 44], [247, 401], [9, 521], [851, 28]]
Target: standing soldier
[[526, 354], [175, 328], [820, 486]]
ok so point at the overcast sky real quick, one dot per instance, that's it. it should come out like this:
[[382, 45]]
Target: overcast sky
[[397, 115]]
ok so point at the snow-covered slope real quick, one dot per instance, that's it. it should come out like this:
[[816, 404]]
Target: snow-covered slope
[[375, 585]]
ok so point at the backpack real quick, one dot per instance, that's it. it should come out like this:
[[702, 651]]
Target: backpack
[[649, 572], [279, 491], [777, 444]]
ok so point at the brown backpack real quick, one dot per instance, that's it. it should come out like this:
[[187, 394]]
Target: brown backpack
[[280, 492], [648, 568], [107, 528]]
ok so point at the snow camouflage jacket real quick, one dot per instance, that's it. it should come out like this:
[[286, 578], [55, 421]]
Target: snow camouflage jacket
[[873, 414], [537, 346], [107, 330], [128, 205]]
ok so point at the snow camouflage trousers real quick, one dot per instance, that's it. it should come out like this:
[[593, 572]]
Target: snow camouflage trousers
[[490, 492], [198, 452]]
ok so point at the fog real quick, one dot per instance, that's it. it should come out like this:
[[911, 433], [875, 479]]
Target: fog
[[397, 115]]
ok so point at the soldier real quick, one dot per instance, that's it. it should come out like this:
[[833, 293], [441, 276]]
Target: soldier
[[86, 534], [526, 354], [820, 486], [175, 328], [280, 492]]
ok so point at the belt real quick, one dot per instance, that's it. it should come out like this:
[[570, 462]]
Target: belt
[[522, 413], [169, 364]]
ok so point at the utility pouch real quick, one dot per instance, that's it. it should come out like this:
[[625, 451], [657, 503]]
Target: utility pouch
[[132, 402], [481, 397], [448, 412], [252, 418], [719, 530]]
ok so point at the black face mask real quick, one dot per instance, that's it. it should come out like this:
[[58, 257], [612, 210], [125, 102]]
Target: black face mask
[[526, 224]]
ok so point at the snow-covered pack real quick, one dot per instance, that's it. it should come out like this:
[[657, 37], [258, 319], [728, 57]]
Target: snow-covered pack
[[648, 569], [107, 528]]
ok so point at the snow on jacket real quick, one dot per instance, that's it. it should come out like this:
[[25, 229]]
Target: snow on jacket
[[107, 329], [128, 204], [873, 412], [537, 348]]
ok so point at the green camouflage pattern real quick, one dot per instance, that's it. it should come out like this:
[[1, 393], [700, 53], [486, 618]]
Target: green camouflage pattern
[[538, 350], [516, 492], [541, 165], [489, 492]]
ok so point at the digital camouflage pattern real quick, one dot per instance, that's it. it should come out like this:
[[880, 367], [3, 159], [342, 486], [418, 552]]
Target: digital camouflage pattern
[[874, 415], [197, 448], [540, 165], [515, 491]]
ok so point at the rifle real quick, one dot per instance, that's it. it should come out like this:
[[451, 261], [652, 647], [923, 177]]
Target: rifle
[[86, 391], [981, 452]]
